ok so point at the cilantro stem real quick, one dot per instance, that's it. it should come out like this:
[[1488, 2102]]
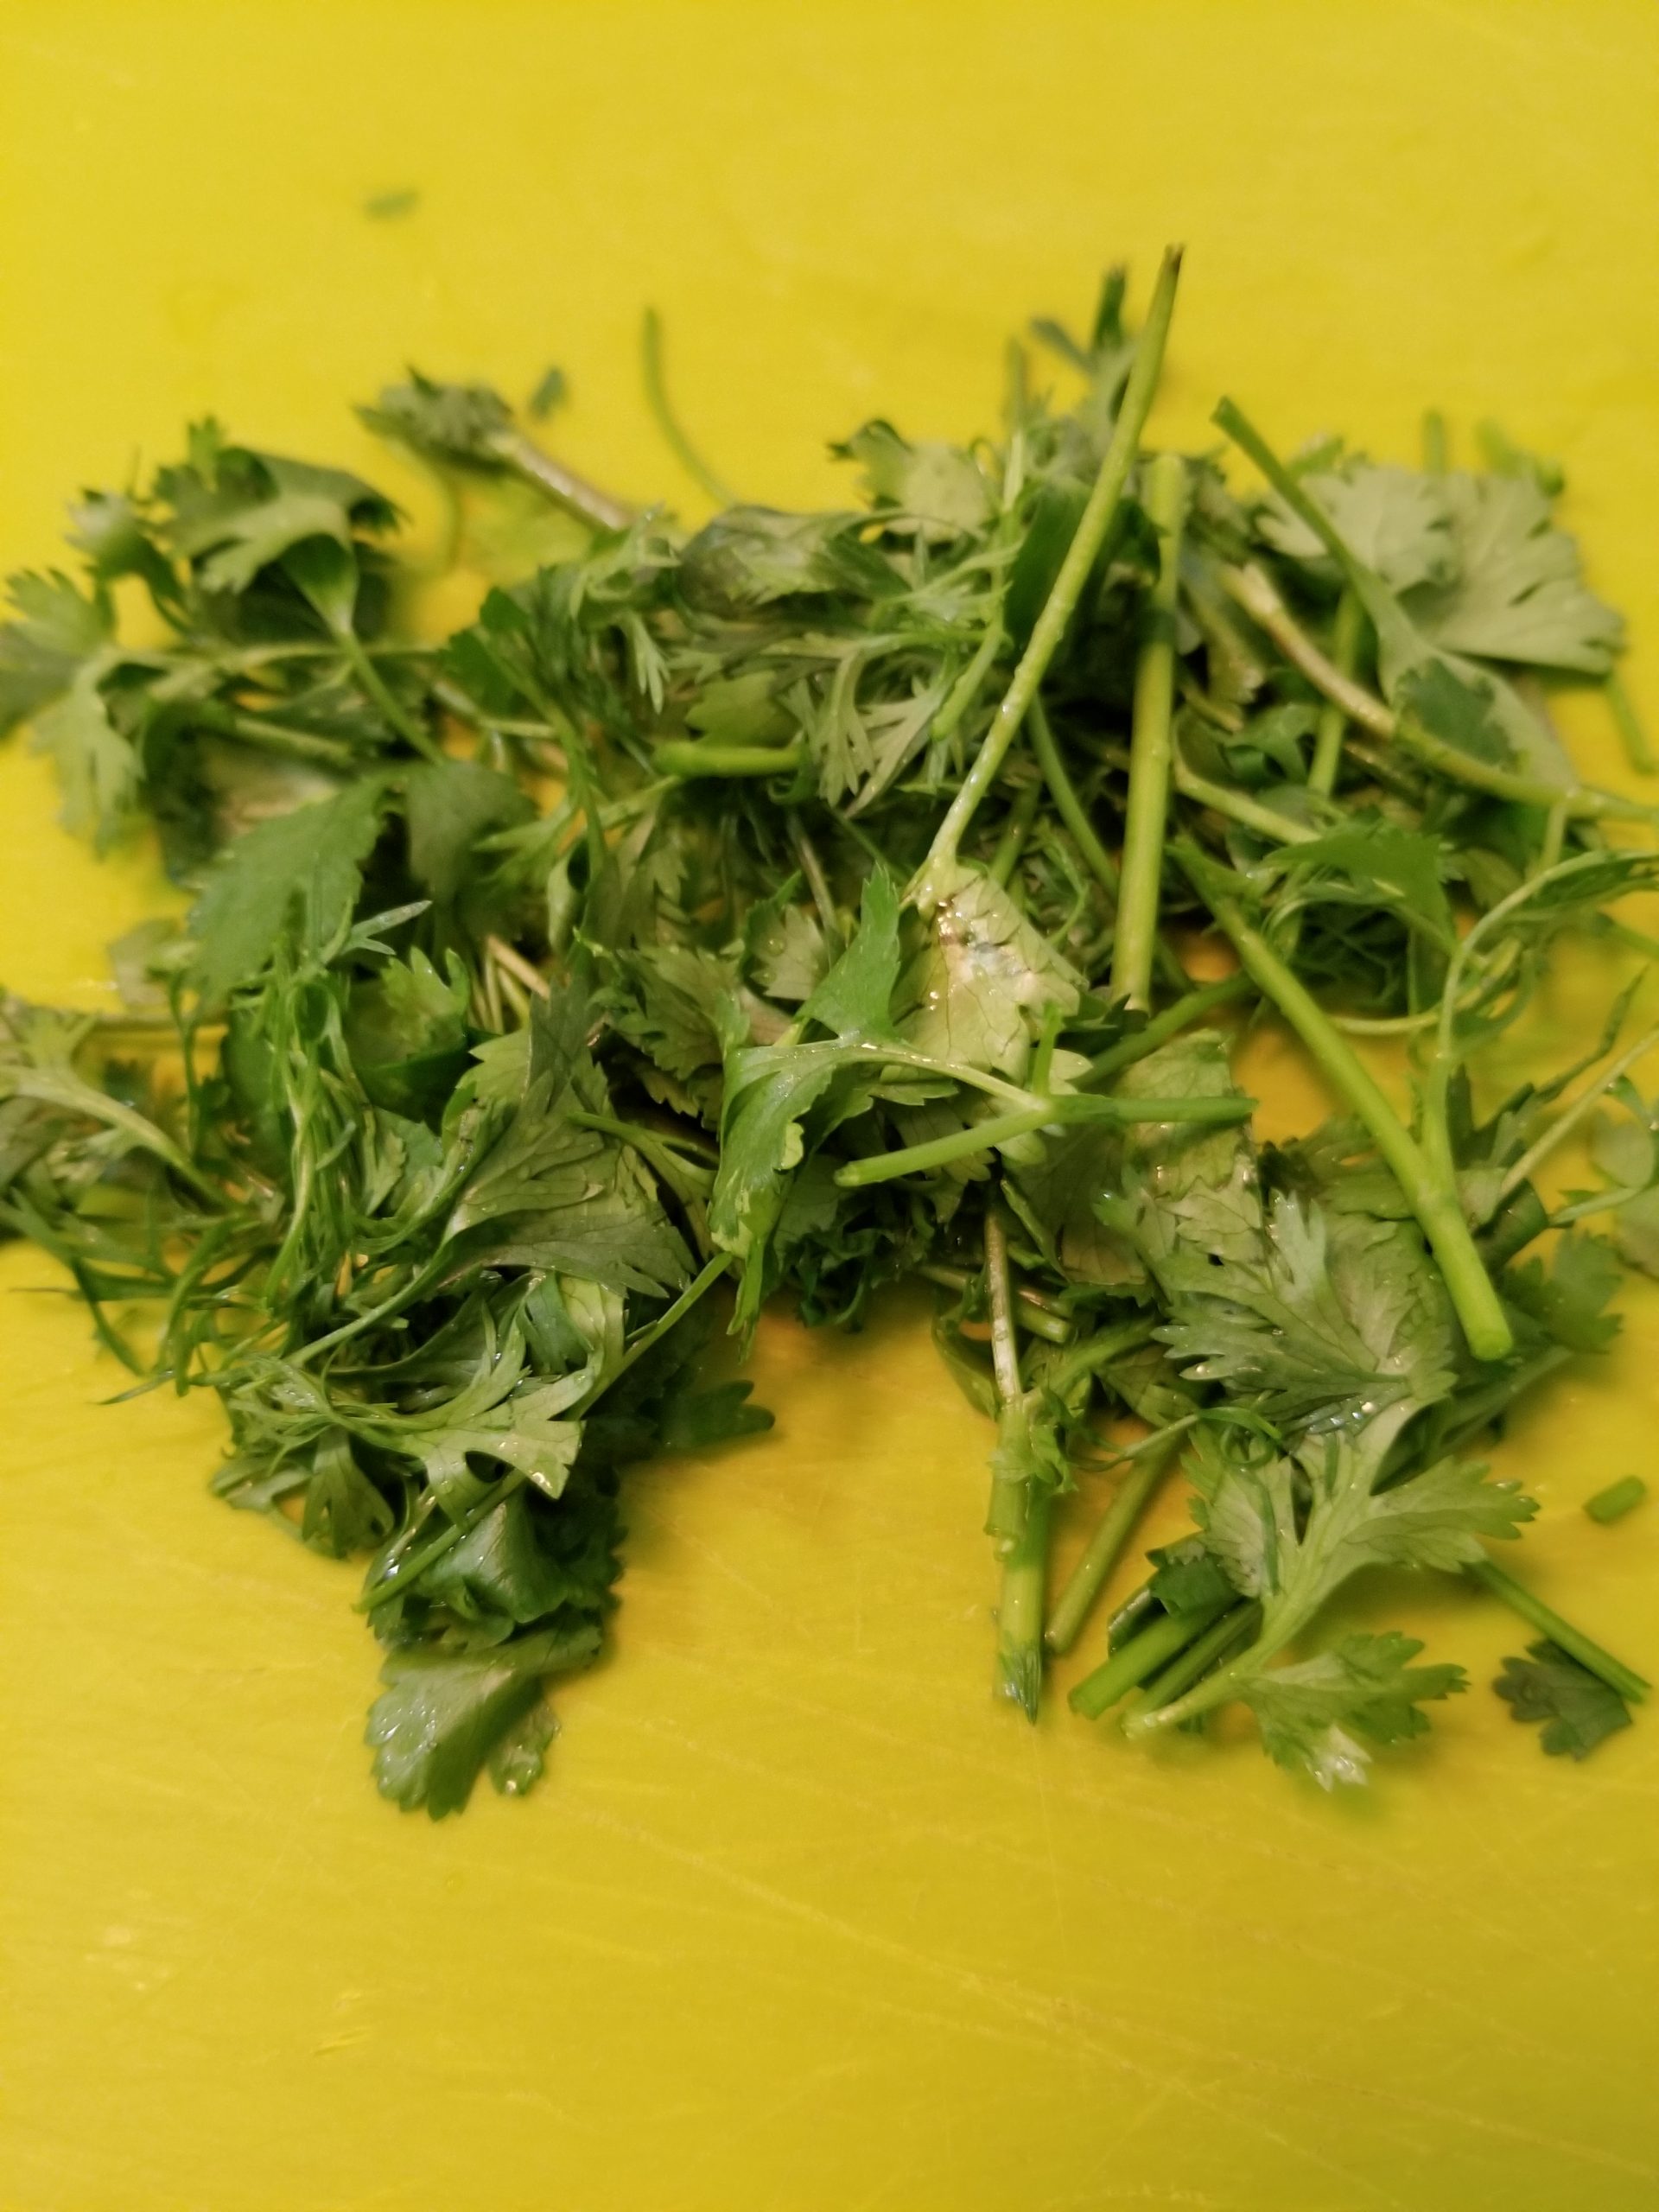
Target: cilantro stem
[[1631, 1686], [1617, 1500], [1148, 1464], [998, 1290], [1003, 1128], [509, 957], [406, 725], [1147, 810], [1067, 589], [816, 882], [273, 736], [651, 357], [1209, 998], [1006, 1514], [1560, 1130], [1431, 1196], [1144, 1655], [1255, 592], [1094, 1352], [1067, 805], [1034, 1312], [690, 757], [1220, 1640], [1237, 806], [657, 1330], [968, 686], [1020, 1611], [1628, 723], [527, 461], [1345, 656], [1015, 830], [1434, 447]]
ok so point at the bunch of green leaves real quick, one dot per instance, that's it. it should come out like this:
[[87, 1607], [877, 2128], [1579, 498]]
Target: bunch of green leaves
[[810, 898]]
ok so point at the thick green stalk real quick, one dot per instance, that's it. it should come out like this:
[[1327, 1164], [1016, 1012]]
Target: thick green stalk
[[1136, 936], [1051, 623], [1159, 1642], [1219, 1641], [1115, 1525], [696, 756], [1345, 654], [1631, 1686], [1432, 1195], [1020, 1612]]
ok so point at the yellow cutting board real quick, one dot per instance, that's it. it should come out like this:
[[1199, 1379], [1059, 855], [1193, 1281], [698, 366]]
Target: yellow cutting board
[[801, 1919]]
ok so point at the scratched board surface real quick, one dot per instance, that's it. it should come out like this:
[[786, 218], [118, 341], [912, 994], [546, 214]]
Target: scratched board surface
[[801, 1920]]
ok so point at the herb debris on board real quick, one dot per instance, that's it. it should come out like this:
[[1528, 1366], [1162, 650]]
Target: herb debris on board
[[811, 900]]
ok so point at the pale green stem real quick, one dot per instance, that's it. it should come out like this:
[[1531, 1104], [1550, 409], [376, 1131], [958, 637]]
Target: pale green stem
[[1144, 1654], [1037, 1315], [1065, 1107], [650, 353], [1051, 624], [1559, 1131], [1628, 723], [1617, 1676], [1020, 1611], [1248, 813], [1162, 1026], [1327, 741], [688, 757], [1146, 1469], [967, 687], [526, 459], [1429, 1183], [1015, 830], [1136, 936], [1067, 805]]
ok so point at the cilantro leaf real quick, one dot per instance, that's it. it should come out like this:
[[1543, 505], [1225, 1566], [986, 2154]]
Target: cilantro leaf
[[977, 990], [443, 1713], [57, 628], [932, 483], [1396, 520], [311, 859], [1513, 590], [1310, 1714], [1578, 1711]]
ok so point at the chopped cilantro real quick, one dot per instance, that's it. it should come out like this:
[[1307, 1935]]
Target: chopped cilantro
[[802, 904]]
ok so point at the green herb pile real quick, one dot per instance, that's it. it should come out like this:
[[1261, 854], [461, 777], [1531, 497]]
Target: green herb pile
[[817, 900]]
